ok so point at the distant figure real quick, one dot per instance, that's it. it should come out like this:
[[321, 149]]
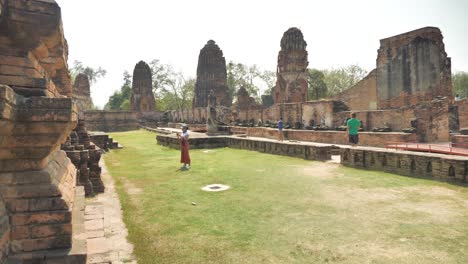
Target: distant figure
[[457, 98], [352, 126], [280, 129], [184, 147]]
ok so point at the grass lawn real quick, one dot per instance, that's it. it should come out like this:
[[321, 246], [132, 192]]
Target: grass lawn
[[280, 209]]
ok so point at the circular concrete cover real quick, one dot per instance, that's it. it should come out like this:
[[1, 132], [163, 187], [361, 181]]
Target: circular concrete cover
[[215, 188]]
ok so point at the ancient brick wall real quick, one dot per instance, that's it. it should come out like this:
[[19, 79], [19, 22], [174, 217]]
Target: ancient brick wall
[[318, 113], [211, 75], [463, 113], [396, 120], [110, 121], [142, 98], [290, 112], [374, 139], [415, 164], [363, 95], [4, 232], [292, 75], [459, 141], [412, 67]]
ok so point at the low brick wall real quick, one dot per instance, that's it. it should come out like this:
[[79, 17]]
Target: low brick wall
[[414, 164], [192, 127], [111, 121], [170, 140], [459, 141], [374, 139], [293, 149]]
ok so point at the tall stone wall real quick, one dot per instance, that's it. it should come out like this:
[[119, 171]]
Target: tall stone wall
[[363, 95], [411, 68], [291, 74], [110, 121], [82, 93], [211, 75], [142, 98]]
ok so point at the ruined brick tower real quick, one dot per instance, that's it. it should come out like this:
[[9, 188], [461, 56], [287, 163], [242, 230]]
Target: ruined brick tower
[[412, 68], [142, 99], [291, 84], [211, 75], [81, 93]]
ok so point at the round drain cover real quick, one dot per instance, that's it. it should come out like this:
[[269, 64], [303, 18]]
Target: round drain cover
[[215, 188]]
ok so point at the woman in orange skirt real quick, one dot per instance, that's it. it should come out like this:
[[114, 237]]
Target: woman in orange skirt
[[184, 147]]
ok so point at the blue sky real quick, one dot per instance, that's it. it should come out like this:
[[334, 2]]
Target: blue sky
[[116, 34]]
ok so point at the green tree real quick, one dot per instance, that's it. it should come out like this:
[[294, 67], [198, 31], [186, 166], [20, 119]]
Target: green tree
[[120, 100], [177, 95], [317, 87], [269, 78], [343, 78], [163, 75], [460, 84], [249, 77], [93, 74]]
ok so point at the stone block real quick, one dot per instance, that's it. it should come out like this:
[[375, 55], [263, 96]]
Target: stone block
[[53, 217], [51, 230]]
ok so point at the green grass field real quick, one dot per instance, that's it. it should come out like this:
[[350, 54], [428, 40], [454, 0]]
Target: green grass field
[[280, 209]]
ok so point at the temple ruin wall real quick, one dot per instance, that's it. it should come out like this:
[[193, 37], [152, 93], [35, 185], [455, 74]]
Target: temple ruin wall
[[363, 95], [111, 121]]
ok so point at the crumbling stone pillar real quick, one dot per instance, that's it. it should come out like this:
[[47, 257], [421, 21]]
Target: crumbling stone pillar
[[85, 155]]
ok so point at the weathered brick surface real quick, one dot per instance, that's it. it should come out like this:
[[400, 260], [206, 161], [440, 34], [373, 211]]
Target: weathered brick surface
[[405, 75]]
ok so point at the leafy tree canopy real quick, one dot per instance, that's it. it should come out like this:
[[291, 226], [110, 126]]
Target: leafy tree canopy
[[93, 74], [460, 84]]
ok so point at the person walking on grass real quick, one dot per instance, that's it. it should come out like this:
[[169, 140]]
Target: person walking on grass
[[280, 129], [352, 127], [184, 147]]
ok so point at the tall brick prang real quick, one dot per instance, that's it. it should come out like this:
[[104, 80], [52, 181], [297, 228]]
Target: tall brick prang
[[142, 98], [211, 75], [291, 83], [82, 93]]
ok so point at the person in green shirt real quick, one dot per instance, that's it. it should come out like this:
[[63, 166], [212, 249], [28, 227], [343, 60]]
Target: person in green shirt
[[353, 125]]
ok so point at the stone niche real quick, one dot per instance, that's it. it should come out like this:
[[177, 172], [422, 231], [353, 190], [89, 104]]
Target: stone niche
[[142, 98], [411, 68], [211, 75], [292, 76]]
